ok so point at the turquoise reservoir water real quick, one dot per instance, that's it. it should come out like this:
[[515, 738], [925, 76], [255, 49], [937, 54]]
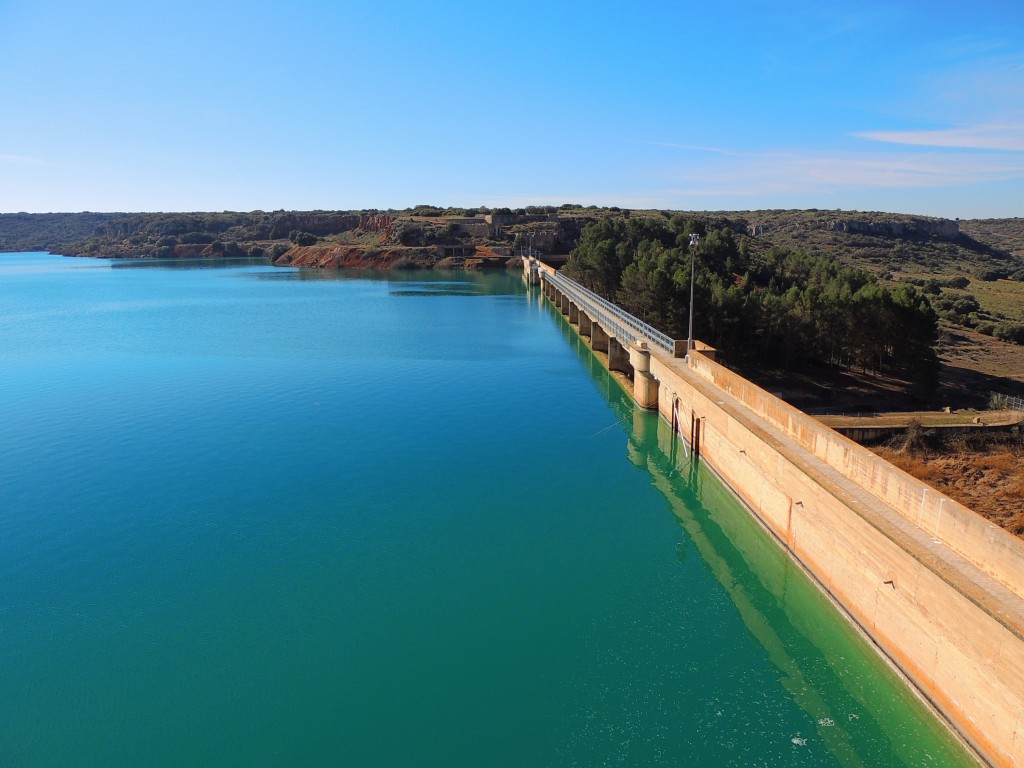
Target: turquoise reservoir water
[[263, 517]]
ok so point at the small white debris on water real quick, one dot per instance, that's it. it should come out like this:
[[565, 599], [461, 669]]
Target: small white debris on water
[[798, 741], [827, 722]]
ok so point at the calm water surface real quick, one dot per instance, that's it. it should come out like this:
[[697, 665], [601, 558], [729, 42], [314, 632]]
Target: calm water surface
[[263, 517]]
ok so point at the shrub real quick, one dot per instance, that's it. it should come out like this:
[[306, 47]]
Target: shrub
[[302, 238], [966, 305], [1011, 332], [411, 235], [990, 274], [913, 439]]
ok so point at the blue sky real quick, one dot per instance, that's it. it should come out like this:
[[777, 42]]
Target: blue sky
[[914, 107]]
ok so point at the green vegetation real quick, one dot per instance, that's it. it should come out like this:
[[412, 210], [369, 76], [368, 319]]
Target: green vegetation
[[780, 308], [972, 270], [49, 231], [302, 238]]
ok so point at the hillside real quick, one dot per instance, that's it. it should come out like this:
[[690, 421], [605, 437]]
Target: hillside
[[971, 270]]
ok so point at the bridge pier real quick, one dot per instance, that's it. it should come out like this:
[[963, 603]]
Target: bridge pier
[[585, 324], [574, 313], [563, 304], [618, 357], [645, 386], [598, 338]]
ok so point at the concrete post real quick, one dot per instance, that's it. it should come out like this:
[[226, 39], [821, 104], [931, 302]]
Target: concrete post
[[618, 357], [574, 313], [598, 338], [564, 304], [585, 324]]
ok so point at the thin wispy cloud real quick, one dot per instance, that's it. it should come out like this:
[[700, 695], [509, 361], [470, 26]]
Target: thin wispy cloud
[[1008, 137], [826, 173], [18, 160]]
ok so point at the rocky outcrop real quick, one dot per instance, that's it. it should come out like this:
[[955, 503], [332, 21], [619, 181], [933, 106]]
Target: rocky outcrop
[[355, 257], [944, 229], [908, 227], [397, 257]]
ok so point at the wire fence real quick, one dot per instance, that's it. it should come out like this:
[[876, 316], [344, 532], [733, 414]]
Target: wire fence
[[1006, 402]]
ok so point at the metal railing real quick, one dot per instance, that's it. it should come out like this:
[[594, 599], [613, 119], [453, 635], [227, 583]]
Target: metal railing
[[622, 325]]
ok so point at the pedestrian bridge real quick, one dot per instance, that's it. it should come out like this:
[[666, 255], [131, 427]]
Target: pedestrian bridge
[[626, 340], [935, 587]]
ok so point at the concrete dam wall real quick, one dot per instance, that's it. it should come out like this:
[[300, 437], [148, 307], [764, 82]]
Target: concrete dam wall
[[938, 589]]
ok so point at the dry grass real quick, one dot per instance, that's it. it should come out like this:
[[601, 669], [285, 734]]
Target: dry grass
[[962, 351], [1003, 296], [1002, 462]]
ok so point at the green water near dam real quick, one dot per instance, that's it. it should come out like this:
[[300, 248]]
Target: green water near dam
[[257, 516]]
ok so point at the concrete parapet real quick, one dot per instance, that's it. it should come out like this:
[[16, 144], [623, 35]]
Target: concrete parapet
[[986, 545]]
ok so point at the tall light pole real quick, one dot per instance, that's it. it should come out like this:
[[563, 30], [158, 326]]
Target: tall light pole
[[694, 240]]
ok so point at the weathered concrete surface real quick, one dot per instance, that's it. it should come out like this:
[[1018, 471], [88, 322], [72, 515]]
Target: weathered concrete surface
[[618, 357], [855, 522], [645, 386], [598, 338], [985, 544], [585, 324]]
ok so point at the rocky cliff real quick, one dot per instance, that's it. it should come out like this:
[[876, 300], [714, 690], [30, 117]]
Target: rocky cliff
[[909, 227], [356, 257]]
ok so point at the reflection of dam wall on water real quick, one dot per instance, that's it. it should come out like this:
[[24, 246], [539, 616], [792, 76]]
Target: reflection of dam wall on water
[[723, 532], [936, 587]]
